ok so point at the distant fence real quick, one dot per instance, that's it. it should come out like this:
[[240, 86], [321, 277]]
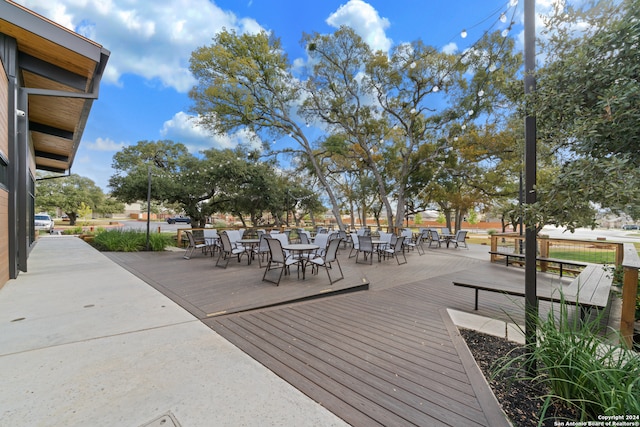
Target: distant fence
[[597, 252]]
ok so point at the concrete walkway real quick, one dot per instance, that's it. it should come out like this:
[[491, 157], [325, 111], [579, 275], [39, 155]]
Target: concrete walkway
[[85, 343]]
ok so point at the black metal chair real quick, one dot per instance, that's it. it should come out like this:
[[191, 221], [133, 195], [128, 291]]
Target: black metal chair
[[461, 239], [192, 245], [278, 260], [329, 257], [366, 247], [396, 250], [227, 251], [262, 249]]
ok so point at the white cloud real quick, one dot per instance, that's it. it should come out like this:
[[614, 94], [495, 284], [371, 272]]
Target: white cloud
[[450, 48], [103, 144], [365, 21], [183, 128], [150, 39]]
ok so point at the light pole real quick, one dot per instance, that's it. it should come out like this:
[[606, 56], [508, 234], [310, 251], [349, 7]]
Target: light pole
[[148, 203], [530, 284], [159, 163]]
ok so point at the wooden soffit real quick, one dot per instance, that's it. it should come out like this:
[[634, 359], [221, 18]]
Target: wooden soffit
[[60, 71]]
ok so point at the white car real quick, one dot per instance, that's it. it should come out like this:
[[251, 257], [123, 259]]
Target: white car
[[43, 221]]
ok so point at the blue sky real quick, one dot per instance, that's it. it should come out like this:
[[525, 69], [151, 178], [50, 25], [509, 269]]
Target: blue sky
[[143, 95]]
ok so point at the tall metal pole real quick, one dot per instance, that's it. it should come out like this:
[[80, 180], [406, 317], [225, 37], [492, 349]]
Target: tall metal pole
[[531, 298], [148, 202]]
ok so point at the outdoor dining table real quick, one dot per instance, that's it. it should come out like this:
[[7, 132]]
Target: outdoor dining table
[[301, 249], [448, 238], [250, 243], [379, 245]]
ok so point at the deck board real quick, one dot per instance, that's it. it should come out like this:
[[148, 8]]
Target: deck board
[[386, 354]]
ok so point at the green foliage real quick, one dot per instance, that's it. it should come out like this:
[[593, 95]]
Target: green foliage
[[596, 257], [117, 240], [85, 211], [68, 193], [587, 106], [473, 218], [579, 368], [74, 230]]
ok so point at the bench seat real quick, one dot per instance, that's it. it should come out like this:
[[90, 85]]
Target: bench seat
[[590, 289]]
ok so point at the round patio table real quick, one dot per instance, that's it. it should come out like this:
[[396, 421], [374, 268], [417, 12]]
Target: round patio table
[[301, 249], [251, 243]]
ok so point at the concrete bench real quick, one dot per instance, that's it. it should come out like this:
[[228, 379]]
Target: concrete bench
[[520, 258], [590, 289]]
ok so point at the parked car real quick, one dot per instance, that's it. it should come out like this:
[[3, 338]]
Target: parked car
[[175, 219], [43, 221], [630, 227]]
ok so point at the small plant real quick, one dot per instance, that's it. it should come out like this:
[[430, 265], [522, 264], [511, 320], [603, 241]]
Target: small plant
[[117, 240], [73, 230], [85, 212], [579, 368]]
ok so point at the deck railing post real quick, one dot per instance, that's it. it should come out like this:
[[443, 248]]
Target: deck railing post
[[630, 266], [494, 247]]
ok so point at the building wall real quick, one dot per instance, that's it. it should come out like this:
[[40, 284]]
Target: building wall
[[4, 193]]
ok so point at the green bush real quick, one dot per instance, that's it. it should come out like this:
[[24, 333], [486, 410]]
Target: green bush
[[117, 240], [74, 230], [579, 368]]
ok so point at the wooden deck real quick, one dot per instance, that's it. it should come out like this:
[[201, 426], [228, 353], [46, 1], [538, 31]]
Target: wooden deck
[[377, 348]]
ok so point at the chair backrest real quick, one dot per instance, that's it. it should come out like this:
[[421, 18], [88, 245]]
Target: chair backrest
[[192, 241], [393, 239], [304, 237], [210, 233], [365, 243], [445, 230], [234, 235], [260, 232], [240, 233], [406, 232], [385, 237], [283, 238], [332, 251], [461, 235], [361, 231], [226, 241], [397, 246], [198, 236], [275, 248], [321, 240], [287, 232], [263, 246], [354, 240], [435, 235]]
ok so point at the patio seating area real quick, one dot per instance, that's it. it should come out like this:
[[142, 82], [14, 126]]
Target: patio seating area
[[377, 347]]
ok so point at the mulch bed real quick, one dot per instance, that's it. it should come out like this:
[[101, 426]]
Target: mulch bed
[[522, 401]]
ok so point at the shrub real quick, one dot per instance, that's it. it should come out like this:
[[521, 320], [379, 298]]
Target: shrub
[[117, 240], [73, 230], [579, 368]]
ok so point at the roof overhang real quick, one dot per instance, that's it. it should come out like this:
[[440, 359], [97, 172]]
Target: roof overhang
[[60, 71]]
